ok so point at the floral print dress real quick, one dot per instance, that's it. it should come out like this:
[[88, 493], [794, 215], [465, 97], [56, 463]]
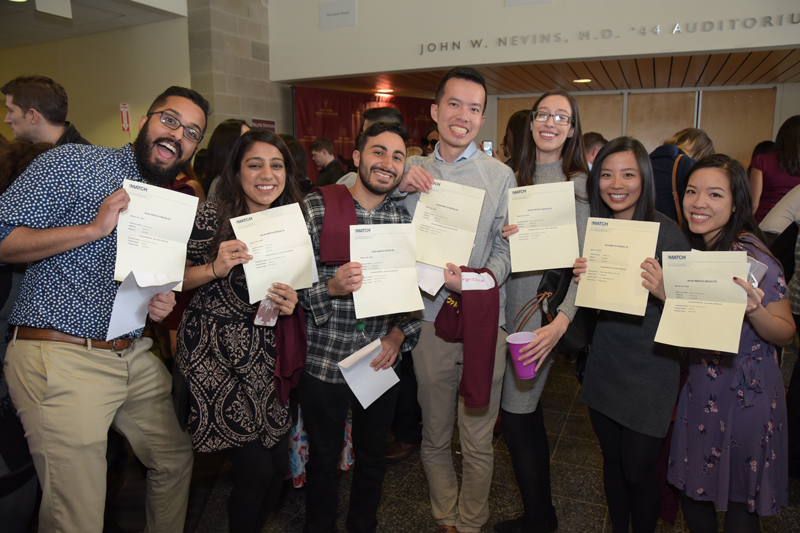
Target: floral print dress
[[731, 440]]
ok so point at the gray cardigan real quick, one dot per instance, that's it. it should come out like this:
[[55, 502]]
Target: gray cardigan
[[522, 396]]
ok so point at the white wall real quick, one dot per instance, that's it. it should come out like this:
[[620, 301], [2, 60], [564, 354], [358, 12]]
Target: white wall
[[391, 35], [788, 105]]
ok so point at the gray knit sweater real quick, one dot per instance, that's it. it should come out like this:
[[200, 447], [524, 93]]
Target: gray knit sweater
[[522, 396], [630, 377], [490, 250]]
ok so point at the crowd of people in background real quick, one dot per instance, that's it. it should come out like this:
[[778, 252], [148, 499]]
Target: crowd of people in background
[[726, 430]]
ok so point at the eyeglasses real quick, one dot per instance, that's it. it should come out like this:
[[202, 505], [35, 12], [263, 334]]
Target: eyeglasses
[[173, 123], [431, 142], [561, 120]]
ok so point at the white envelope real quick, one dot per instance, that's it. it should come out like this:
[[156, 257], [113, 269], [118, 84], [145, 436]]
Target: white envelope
[[130, 305], [366, 383]]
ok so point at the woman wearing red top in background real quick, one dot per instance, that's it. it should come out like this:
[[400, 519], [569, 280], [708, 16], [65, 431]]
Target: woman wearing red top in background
[[774, 174]]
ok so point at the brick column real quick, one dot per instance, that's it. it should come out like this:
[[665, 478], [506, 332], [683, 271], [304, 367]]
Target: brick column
[[229, 60]]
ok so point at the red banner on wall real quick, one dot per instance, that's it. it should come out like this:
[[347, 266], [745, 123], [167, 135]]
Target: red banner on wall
[[337, 115]]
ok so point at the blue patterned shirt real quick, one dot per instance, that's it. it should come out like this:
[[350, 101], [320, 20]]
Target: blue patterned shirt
[[72, 291]]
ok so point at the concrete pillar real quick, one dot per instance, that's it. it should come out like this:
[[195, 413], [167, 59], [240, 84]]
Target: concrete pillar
[[229, 60]]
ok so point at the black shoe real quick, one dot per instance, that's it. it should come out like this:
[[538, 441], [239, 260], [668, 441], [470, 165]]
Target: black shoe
[[517, 526], [509, 526]]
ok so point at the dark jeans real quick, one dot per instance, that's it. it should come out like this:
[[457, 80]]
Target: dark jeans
[[325, 408], [407, 423]]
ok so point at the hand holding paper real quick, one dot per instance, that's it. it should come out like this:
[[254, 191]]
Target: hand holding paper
[[446, 220], [367, 384], [134, 295], [348, 279], [388, 275], [160, 306], [153, 231], [615, 250], [278, 241], [108, 214], [547, 235], [704, 307]]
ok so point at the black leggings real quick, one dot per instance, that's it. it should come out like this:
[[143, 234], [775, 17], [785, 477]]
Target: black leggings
[[258, 474], [701, 517], [526, 439], [629, 474]]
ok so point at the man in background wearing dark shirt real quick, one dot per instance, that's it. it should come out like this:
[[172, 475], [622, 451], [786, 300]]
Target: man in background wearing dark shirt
[[322, 154], [37, 111]]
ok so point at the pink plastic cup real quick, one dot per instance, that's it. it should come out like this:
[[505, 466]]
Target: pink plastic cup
[[517, 341]]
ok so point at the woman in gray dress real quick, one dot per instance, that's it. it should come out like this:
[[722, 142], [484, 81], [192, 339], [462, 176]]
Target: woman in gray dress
[[631, 382], [552, 153]]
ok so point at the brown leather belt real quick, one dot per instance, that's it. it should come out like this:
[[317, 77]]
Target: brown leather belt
[[26, 333]]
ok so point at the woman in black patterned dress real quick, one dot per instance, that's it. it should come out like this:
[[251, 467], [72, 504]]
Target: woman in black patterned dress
[[228, 361]]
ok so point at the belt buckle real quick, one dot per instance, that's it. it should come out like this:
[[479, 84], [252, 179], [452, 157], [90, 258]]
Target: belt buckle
[[114, 345]]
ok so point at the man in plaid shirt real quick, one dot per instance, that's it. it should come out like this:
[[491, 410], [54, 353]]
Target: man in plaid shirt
[[324, 396]]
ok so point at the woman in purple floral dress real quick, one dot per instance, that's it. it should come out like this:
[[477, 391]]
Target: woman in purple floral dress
[[729, 448]]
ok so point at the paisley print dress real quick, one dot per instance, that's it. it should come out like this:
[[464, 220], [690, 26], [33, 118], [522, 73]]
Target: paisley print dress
[[228, 361]]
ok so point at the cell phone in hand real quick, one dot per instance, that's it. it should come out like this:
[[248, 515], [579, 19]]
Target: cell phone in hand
[[267, 314], [487, 148]]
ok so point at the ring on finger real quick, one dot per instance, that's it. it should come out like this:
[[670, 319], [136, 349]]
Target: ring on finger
[[233, 255]]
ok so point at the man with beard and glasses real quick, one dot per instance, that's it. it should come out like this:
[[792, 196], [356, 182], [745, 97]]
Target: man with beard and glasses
[[67, 383], [331, 319]]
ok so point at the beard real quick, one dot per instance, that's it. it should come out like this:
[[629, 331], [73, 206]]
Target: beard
[[143, 150], [377, 189]]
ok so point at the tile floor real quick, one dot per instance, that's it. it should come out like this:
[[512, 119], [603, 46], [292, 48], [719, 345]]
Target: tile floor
[[576, 477]]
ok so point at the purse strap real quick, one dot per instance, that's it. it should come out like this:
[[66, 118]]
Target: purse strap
[[530, 306], [675, 196]]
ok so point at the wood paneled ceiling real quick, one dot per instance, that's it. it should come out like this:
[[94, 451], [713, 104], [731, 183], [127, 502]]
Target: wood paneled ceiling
[[701, 70]]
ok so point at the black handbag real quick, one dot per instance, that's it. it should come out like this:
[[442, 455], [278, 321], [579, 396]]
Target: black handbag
[[550, 294]]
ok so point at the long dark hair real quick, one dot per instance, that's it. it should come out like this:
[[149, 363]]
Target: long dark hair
[[516, 127], [787, 146], [741, 221], [646, 205], [233, 201], [572, 159], [220, 148], [16, 157]]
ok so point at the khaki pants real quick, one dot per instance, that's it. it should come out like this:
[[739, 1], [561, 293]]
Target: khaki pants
[[438, 365], [67, 396]]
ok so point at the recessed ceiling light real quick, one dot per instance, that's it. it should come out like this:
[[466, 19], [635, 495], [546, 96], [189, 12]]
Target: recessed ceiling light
[[385, 90], [18, 1], [582, 80]]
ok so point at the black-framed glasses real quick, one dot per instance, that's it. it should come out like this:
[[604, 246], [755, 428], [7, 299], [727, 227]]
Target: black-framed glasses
[[426, 142], [173, 123], [561, 120]]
